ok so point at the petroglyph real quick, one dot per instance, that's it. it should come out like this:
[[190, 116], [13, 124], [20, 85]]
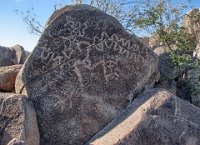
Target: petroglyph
[[83, 53]]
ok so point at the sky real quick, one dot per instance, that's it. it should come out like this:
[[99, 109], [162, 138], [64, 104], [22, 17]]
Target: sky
[[12, 28], [14, 31]]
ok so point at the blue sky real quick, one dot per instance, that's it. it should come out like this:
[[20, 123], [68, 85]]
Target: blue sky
[[12, 28]]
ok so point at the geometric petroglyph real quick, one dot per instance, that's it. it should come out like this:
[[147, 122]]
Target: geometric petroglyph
[[82, 72]]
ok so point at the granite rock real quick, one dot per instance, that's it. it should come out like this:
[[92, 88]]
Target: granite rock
[[18, 122], [8, 76], [83, 72], [156, 117]]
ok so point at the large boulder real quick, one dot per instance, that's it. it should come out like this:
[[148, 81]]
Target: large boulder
[[18, 123], [8, 76], [83, 72], [156, 117]]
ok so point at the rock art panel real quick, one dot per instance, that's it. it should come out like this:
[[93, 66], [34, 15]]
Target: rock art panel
[[83, 72]]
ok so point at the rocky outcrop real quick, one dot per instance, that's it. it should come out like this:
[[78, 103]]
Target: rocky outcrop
[[7, 56], [20, 54], [167, 70], [167, 73], [13, 55], [83, 72], [8, 76], [156, 117], [166, 67], [191, 23], [18, 123]]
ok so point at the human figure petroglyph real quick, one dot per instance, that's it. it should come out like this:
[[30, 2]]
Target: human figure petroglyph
[[111, 70], [86, 49]]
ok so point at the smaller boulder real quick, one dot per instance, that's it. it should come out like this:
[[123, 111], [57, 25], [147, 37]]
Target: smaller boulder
[[8, 76], [20, 54], [154, 41], [167, 73], [18, 123], [159, 50], [12, 55], [7, 56], [156, 117], [166, 68]]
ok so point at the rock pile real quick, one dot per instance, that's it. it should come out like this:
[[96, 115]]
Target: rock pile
[[82, 80], [18, 122], [190, 24], [11, 60]]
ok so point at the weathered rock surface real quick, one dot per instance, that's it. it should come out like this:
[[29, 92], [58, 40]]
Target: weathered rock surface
[[18, 123], [154, 41], [191, 22], [167, 73], [13, 55], [167, 70], [20, 54], [7, 56], [144, 40], [194, 76], [83, 72], [27, 54], [8, 76], [160, 49], [156, 117], [15, 141]]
